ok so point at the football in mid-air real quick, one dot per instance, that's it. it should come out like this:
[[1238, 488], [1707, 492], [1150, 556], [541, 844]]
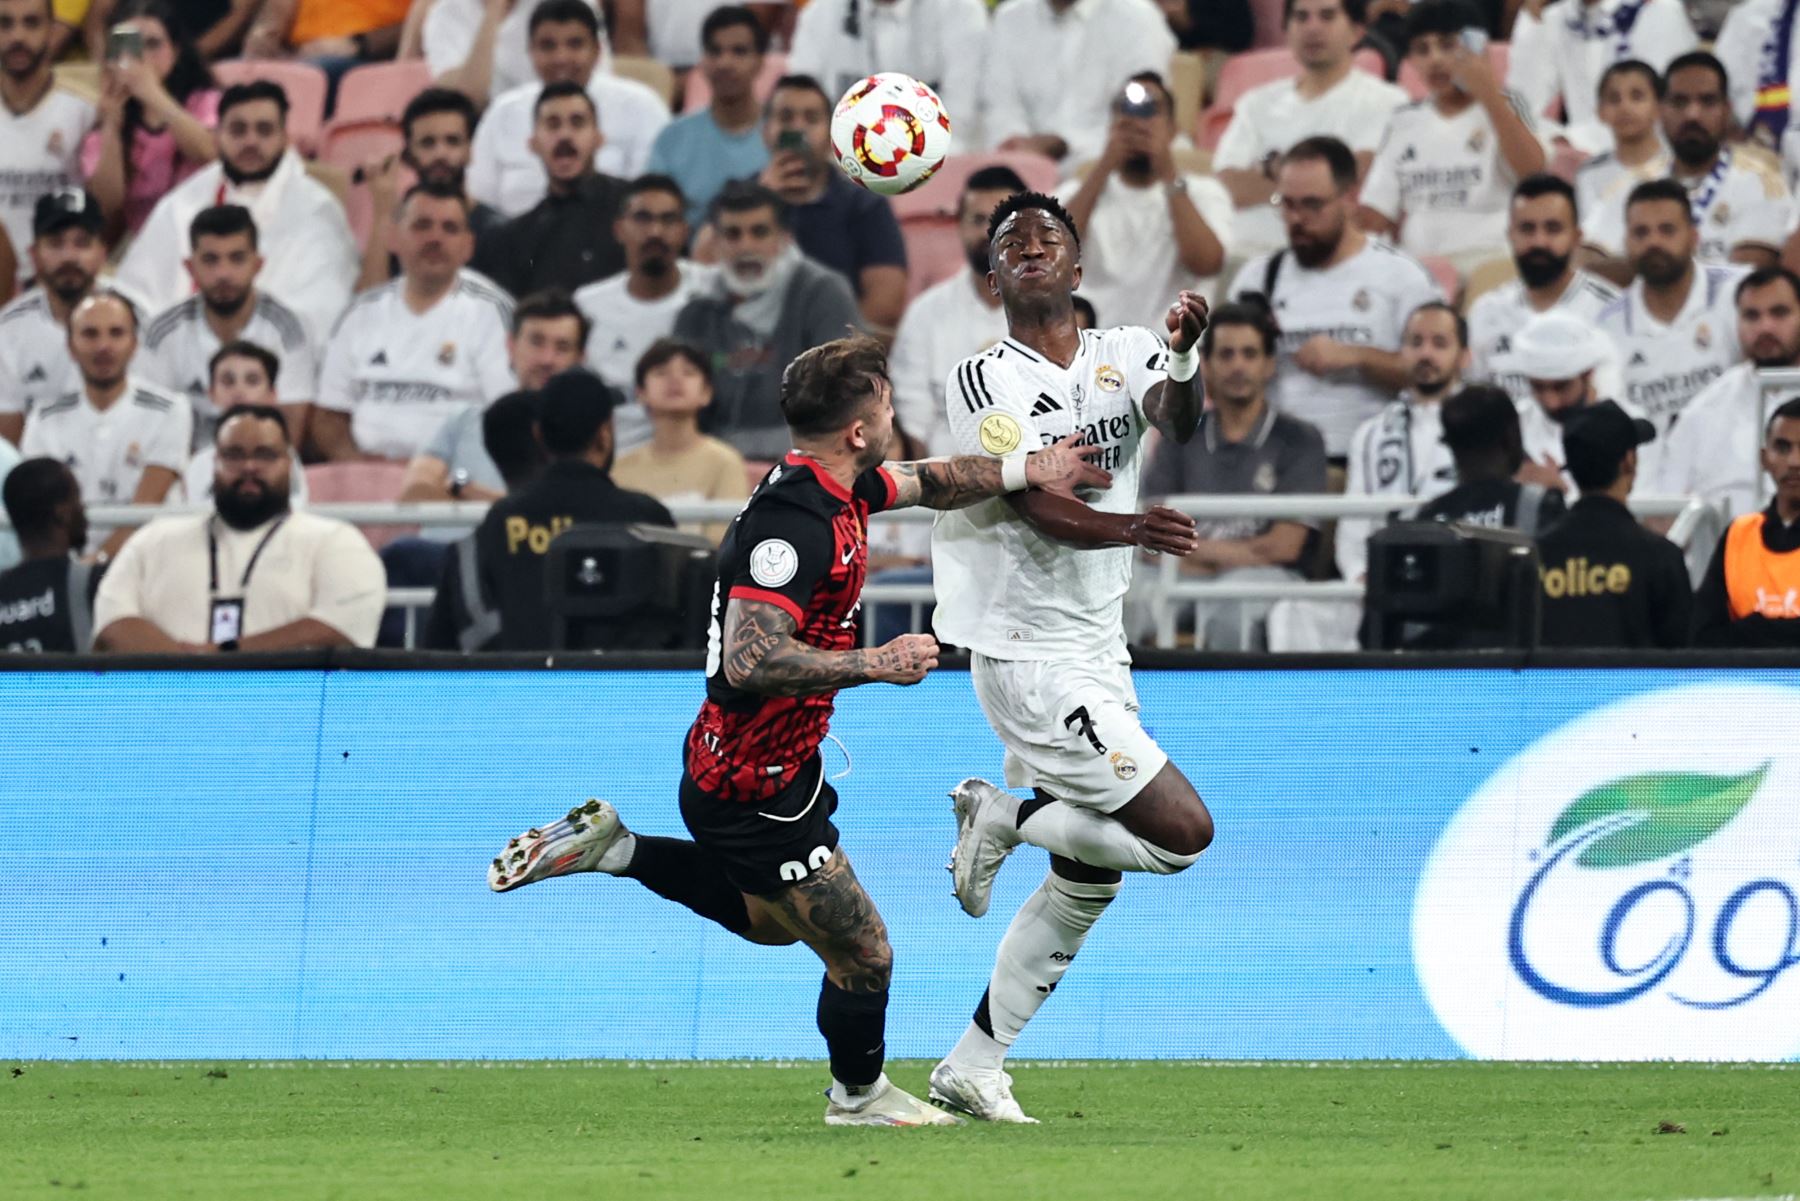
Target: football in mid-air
[[890, 133]]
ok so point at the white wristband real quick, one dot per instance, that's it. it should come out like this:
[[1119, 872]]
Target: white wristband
[[1012, 472], [1183, 365]]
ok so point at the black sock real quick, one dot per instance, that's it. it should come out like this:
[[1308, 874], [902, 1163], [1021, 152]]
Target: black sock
[[983, 1018], [1030, 805], [690, 875], [855, 1026]]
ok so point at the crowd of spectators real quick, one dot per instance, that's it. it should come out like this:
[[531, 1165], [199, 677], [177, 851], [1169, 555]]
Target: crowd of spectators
[[1508, 264]]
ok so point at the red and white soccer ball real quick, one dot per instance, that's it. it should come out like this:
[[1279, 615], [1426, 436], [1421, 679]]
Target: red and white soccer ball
[[890, 133]]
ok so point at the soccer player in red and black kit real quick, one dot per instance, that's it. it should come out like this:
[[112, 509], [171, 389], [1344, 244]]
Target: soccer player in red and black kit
[[765, 861]]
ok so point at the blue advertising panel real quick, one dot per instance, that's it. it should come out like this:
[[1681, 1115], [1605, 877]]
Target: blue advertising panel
[[1528, 864]]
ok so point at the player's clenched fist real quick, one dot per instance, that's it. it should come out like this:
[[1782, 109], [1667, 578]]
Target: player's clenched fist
[[1186, 321], [906, 659], [1164, 529]]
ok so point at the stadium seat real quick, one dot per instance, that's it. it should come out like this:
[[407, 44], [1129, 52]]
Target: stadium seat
[[380, 91], [1449, 279], [1498, 55], [1187, 82], [351, 145], [1485, 277], [304, 84], [933, 251], [755, 469], [698, 93], [942, 192], [1252, 69], [647, 71], [331, 483]]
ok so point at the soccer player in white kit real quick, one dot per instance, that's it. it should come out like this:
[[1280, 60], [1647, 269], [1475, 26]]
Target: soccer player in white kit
[[1034, 587]]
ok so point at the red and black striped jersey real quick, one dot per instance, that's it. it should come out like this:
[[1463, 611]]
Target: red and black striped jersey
[[801, 543]]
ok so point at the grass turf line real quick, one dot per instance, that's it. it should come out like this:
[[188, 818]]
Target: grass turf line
[[736, 1132]]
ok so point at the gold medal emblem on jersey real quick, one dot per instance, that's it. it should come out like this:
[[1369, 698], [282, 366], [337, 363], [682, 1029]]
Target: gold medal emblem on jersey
[[447, 353], [1000, 434], [1108, 378]]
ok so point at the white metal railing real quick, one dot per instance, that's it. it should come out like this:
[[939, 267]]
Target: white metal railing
[[1163, 590]]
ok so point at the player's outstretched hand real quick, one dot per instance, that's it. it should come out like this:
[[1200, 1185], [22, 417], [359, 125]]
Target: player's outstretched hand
[[1165, 530], [1065, 466], [1186, 320], [906, 659]]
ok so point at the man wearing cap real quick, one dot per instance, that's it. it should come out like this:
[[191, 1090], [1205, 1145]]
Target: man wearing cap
[[1481, 428], [41, 125], [1560, 356], [1607, 581], [1713, 452], [1750, 595], [575, 424], [67, 256]]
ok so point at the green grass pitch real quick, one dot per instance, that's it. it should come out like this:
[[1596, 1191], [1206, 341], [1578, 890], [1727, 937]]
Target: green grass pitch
[[740, 1132]]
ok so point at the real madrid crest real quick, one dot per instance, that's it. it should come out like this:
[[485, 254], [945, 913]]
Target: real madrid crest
[[1722, 214], [1477, 140], [54, 147], [1264, 479], [1703, 335], [1108, 378], [447, 353], [1360, 302]]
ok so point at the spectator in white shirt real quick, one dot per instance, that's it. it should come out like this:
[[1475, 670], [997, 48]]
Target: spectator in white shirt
[[1631, 106], [1330, 97], [482, 48], [634, 308], [565, 48], [942, 43], [68, 254], [1543, 232], [1739, 201], [949, 321], [41, 126], [408, 352], [179, 344], [310, 260], [125, 440], [1757, 44], [1439, 183], [1059, 63], [252, 574], [548, 333], [1148, 230], [240, 374], [667, 30], [1340, 297], [1564, 53]]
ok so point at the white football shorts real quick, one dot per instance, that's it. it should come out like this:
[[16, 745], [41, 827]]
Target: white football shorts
[[1070, 729]]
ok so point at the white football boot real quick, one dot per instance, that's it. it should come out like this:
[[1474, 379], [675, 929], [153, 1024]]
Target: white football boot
[[573, 844], [986, 1096], [890, 1105], [985, 836]]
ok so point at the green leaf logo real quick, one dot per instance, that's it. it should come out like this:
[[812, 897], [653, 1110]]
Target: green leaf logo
[[1680, 809]]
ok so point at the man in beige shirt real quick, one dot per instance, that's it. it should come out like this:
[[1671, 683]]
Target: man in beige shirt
[[680, 464], [253, 574]]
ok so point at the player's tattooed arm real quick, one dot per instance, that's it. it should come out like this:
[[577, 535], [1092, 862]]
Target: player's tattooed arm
[[762, 655], [961, 480], [1173, 406]]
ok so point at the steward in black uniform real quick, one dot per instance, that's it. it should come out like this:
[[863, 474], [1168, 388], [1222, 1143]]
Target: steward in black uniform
[[47, 600], [1481, 428]]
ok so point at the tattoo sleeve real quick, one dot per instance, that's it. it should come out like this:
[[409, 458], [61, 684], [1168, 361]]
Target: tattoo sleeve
[[1173, 407], [945, 483], [762, 655]]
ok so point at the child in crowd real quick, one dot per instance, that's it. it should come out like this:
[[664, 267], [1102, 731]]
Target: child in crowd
[[679, 463]]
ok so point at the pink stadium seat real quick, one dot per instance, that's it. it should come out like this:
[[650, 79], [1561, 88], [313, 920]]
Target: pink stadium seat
[[380, 91], [1449, 280], [1499, 54], [698, 93], [330, 483], [1252, 69], [304, 84], [943, 191], [349, 146], [933, 251], [755, 469]]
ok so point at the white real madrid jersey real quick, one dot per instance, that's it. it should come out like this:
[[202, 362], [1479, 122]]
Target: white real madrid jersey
[[1742, 202], [40, 151], [179, 345], [1665, 366], [1497, 316], [400, 373], [1004, 589], [1398, 452], [108, 449], [35, 364]]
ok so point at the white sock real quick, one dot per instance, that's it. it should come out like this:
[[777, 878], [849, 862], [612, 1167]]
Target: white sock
[[855, 1096], [1097, 840], [1038, 947], [617, 857]]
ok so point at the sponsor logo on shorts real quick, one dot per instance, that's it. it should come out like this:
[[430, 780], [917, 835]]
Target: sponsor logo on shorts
[[1123, 765], [774, 562], [1000, 434]]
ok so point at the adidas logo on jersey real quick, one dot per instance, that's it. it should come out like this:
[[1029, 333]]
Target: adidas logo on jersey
[[1410, 153], [1045, 404], [1637, 359], [380, 359], [36, 375]]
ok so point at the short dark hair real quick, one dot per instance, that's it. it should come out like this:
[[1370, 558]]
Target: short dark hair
[[549, 304], [1439, 16], [1482, 419], [571, 409], [1357, 11], [825, 388], [655, 182], [1441, 306], [433, 101], [995, 177], [249, 93], [556, 12], [1631, 66], [1545, 184], [33, 490], [1762, 277], [1698, 58], [222, 221], [728, 15], [665, 350], [562, 90], [509, 435], [435, 191], [1652, 190], [746, 196], [801, 83], [1246, 314], [257, 413], [1330, 151], [1788, 410], [1020, 202], [241, 349]]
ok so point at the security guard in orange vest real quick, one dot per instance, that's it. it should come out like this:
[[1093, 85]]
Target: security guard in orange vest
[[1751, 593]]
